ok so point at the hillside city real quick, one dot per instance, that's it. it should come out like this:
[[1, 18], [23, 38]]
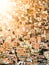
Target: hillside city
[[24, 33]]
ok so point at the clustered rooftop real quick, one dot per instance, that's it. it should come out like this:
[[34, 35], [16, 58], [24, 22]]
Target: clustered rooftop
[[24, 29]]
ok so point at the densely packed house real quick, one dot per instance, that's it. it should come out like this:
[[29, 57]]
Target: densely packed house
[[24, 32]]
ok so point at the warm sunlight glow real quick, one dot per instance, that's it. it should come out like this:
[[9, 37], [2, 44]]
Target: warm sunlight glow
[[6, 8], [3, 5]]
